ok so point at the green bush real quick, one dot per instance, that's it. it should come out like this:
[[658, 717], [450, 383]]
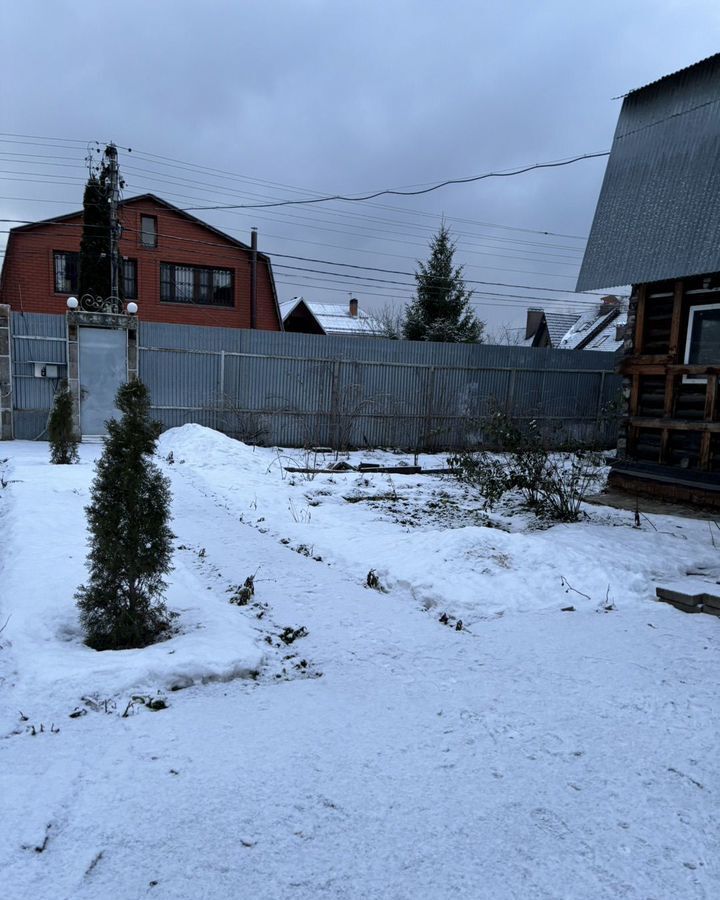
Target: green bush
[[63, 439]]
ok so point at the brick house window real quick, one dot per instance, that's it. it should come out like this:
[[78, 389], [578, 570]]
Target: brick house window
[[67, 268], [66, 271], [129, 277], [195, 284], [148, 232]]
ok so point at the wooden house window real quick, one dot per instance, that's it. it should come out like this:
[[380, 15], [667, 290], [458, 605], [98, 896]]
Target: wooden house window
[[702, 347]]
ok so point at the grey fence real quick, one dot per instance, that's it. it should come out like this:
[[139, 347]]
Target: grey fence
[[308, 390], [35, 339]]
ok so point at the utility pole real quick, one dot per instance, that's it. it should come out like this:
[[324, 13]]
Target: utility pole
[[115, 229]]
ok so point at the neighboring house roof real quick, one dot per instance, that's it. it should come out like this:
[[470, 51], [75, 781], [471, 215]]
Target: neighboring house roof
[[611, 337], [153, 198], [334, 318], [558, 324], [658, 215], [596, 329]]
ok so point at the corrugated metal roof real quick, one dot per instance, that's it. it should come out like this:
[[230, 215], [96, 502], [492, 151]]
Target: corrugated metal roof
[[334, 318], [671, 75], [658, 216], [596, 329], [607, 337]]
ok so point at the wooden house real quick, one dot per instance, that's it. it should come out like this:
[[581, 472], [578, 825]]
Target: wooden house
[[657, 228]]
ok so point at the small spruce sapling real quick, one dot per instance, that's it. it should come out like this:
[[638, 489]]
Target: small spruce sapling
[[63, 440], [121, 605]]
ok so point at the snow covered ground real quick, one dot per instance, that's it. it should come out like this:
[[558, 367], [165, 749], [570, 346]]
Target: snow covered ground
[[535, 753]]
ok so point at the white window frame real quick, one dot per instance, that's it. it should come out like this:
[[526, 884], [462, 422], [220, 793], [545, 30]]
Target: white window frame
[[695, 379]]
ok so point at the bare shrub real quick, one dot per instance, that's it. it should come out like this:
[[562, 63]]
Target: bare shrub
[[553, 485]]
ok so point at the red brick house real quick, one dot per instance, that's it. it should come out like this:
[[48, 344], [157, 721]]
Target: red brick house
[[177, 268]]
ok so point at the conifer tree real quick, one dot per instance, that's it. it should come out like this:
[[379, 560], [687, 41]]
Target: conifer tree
[[94, 275], [63, 439], [130, 550], [441, 308]]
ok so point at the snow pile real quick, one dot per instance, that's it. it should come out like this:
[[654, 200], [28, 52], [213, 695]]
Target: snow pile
[[472, 572], [44, 551], [204, 448]]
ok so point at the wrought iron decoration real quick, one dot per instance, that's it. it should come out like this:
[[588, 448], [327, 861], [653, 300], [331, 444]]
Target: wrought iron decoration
[[91, 303]]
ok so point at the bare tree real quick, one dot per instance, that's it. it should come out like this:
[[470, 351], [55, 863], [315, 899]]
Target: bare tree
[[391, 318], [507, 335]]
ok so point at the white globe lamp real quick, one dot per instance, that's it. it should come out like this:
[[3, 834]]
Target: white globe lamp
[[72, 302], [132, 308]]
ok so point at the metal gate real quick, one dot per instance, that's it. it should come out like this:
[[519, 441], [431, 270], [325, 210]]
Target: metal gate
[[102, 368]]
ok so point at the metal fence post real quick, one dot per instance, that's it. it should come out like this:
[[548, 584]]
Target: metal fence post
[[335, 406], [599, 408], [510, 395], [220, 410], [429, 398]]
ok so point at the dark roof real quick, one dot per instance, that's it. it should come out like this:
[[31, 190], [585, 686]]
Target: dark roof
[[658, 216], [700, 62], [153, 198], [558, 325]]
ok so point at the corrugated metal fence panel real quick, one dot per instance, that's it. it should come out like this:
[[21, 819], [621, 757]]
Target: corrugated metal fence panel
[[297, 389], [40, 325], [36, 338]]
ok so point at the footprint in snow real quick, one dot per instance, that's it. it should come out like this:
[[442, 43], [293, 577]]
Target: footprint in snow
[[550, 822]]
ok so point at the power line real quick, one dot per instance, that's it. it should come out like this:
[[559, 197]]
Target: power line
[[218, 189], [172, 162], [400, 193], [376, 269], [157, 159], [550, 258], [44, 137], [222, 190]]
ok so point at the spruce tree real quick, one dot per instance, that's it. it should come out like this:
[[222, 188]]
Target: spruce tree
[[63, 439], [121, 605], [441, 308], [94, 275]]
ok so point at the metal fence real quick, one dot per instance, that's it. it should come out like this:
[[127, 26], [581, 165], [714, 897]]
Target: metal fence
[[310, 390], [35, 338]]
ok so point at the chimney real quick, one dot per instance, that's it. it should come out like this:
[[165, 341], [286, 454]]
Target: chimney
[[534, 320], [353, 307], [253, 278], [609, 303]]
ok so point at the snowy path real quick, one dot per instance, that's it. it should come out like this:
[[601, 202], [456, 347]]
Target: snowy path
[[544, 755]]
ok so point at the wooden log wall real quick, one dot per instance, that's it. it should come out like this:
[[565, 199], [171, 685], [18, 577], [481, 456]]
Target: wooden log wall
[[672, 421]]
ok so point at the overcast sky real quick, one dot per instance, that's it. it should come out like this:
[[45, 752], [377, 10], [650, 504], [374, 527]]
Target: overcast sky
[[290, 98]]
